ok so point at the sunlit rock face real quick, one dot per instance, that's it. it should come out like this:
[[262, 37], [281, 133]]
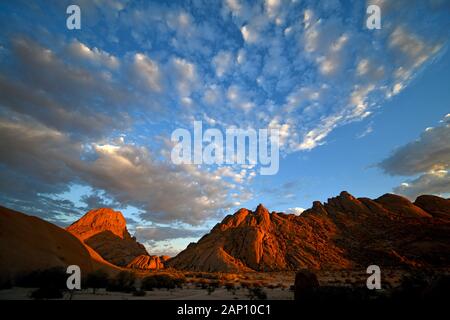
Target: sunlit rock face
[[105, 231], [343, 232]]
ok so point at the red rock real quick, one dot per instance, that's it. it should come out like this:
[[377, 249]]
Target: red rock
[[105, 231], [146, 262], [401, 206], [164, 258], [344, 232], [436, 206]]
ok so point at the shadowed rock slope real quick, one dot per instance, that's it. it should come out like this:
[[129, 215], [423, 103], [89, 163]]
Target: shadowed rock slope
[[28, 243], [344, 232]]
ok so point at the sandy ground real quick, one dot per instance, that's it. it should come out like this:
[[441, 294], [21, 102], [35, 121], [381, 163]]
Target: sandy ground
[[276, 285], [160, 294]]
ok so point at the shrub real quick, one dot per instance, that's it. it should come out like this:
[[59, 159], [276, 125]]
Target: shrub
[[97, 279], [202, 284], [49, 278], [210, 290], [160, 281], [230, 287], [257, 293], [139, 293], [423, 285], [123, 282]]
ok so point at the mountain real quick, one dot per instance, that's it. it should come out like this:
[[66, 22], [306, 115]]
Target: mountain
[[28, 243], [343, 232], [104, 230]]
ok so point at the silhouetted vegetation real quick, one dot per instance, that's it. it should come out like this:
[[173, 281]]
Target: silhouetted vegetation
[[210, 290], [421, 285], [161, 281], [307, 290], [202, 283], [51, 283], [54, 277], [123, 282], [97, 279], [230, 287], [256, 293], [139, 293], [417, 286]]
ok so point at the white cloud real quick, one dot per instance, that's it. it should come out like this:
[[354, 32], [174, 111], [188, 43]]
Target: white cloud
[[430, 152], [185, 76], [433, 182], [235, 6], [239, 99], [212, 95], [296, 210], [147, 71], [128, 174], [97, 56], [249, 34], [428, 157], [316, 136], [272, 7], [222, 62]]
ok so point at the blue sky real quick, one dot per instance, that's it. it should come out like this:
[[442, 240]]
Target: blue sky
[[86, 115]]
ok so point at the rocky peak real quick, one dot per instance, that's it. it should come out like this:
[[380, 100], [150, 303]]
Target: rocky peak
[[347, 203], [436, 206], [401, 206], [100, 220], [261, 210], [345, 195], [262, 216], [341, 233], [105, 231]]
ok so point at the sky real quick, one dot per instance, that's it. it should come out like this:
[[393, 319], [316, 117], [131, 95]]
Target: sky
[[86, 115]]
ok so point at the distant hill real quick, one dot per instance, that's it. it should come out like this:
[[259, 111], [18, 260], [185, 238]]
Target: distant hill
[[344, 232]]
